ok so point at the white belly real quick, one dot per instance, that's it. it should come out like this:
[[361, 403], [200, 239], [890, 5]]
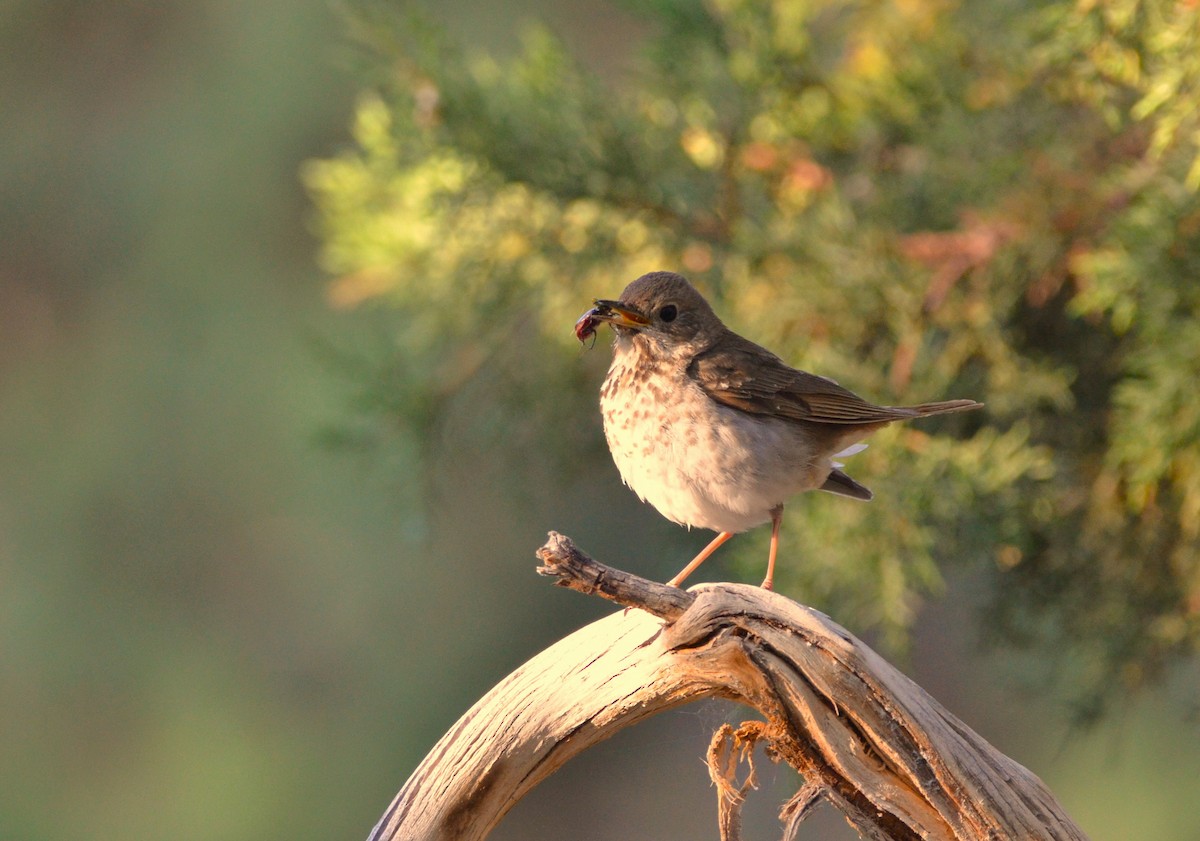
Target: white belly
[[701, 463]]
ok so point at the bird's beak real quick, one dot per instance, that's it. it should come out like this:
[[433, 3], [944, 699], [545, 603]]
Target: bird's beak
[[613, 313], [617, 315]]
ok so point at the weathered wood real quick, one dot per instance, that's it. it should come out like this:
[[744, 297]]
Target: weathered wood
[[868, 739]]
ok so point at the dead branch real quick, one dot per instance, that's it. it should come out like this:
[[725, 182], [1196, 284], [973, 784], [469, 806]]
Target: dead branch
[[865, 737]]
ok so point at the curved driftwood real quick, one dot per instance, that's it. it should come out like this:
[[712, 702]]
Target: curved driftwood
[[864, 736]]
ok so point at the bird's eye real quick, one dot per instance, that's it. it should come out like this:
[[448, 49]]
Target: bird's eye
[[668, 312]]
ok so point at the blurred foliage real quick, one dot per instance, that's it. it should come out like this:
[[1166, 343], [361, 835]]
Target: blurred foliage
[[922, 199]]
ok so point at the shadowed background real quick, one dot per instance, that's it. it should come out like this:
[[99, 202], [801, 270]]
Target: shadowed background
[[213, 624]]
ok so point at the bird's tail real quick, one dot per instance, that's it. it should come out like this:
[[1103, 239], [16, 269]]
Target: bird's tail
[[944, 407]]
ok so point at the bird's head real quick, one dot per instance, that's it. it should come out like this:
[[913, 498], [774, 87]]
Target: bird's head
[[662, 307]]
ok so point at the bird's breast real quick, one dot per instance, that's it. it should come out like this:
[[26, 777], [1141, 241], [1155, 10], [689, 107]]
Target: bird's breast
[[700, 463]]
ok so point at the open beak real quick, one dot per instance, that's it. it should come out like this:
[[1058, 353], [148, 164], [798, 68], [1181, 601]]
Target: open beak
[[613, 313], [617, 315]]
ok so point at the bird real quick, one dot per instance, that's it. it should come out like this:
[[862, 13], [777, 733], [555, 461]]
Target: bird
[[715, 431]]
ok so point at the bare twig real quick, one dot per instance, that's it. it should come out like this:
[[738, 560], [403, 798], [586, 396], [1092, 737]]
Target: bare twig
[[562, 560]]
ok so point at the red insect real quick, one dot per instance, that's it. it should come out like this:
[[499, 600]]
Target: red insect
[[585, 327]]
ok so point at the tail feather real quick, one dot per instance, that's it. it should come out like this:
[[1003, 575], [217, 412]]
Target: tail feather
[[852, 450], [944, 407], [841, 484]]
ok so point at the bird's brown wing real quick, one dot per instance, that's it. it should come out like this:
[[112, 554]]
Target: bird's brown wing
[[739, 373]]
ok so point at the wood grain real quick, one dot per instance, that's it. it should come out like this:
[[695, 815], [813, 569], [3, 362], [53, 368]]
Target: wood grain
[[865, 737]]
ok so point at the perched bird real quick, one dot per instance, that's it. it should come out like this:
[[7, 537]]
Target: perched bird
[[715, 431]]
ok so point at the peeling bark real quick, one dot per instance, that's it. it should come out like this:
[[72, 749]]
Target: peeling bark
[[865, 737]]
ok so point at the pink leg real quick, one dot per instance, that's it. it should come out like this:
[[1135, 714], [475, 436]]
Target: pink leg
[[699, 559], [776, 519]]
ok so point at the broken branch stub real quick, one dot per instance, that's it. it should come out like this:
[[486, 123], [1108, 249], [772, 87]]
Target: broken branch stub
[[872, 742]]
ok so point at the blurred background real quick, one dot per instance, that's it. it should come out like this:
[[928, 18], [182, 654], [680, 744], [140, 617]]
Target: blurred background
[[249, 572]]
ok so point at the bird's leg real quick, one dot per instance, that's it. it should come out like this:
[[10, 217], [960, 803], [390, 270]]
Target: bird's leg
[[699, 559], [776, 519]]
